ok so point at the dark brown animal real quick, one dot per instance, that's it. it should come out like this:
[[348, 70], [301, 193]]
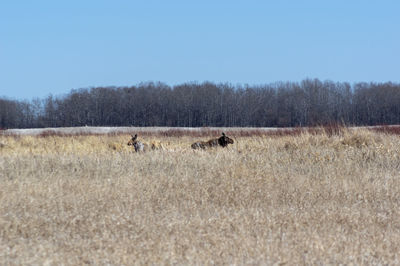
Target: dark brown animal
[[222, 141]]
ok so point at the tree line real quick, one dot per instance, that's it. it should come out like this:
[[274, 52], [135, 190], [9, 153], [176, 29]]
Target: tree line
[[282, 104]]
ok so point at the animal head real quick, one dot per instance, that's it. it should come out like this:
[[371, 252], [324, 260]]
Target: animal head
[[133, 140], [224, 140]]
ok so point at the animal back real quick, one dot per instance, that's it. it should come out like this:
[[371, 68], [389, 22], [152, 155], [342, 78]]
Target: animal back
[[139, 146]]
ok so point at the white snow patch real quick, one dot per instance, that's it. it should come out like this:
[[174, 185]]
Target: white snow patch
[[127, 130]]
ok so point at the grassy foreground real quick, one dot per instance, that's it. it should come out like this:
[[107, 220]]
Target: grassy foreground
[[305, 199]]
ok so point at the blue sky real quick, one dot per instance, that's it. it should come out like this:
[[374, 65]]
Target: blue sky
[[51, 47]]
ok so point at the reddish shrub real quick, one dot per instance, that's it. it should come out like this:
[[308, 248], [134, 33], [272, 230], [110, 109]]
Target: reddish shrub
[[393, 130]]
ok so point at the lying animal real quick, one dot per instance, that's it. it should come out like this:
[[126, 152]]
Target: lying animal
[[221, 141], [140, 146]]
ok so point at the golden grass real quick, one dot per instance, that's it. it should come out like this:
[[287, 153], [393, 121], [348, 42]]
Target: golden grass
[[308, 199]]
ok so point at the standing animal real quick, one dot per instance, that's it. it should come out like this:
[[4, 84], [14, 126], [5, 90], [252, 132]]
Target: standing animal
[[221, 141]]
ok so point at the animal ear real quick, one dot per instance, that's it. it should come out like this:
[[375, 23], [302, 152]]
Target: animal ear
[[223, 134]]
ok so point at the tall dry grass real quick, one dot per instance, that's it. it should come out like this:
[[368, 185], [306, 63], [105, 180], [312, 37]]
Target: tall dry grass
[[298, 199]]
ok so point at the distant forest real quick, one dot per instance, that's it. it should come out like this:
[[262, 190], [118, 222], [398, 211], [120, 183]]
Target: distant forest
[[310, 102]]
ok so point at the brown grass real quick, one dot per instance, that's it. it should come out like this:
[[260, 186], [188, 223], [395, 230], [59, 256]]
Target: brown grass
[[295, 199]]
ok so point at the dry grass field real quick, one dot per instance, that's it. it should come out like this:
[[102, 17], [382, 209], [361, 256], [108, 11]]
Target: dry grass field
[[290, 199]]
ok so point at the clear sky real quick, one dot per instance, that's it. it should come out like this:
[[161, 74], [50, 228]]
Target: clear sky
[[50, 47]]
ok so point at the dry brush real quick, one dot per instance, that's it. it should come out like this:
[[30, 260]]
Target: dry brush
[[307, 198]]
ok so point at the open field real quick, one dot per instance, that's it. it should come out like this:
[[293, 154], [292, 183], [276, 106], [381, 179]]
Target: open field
[[321, 197]]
